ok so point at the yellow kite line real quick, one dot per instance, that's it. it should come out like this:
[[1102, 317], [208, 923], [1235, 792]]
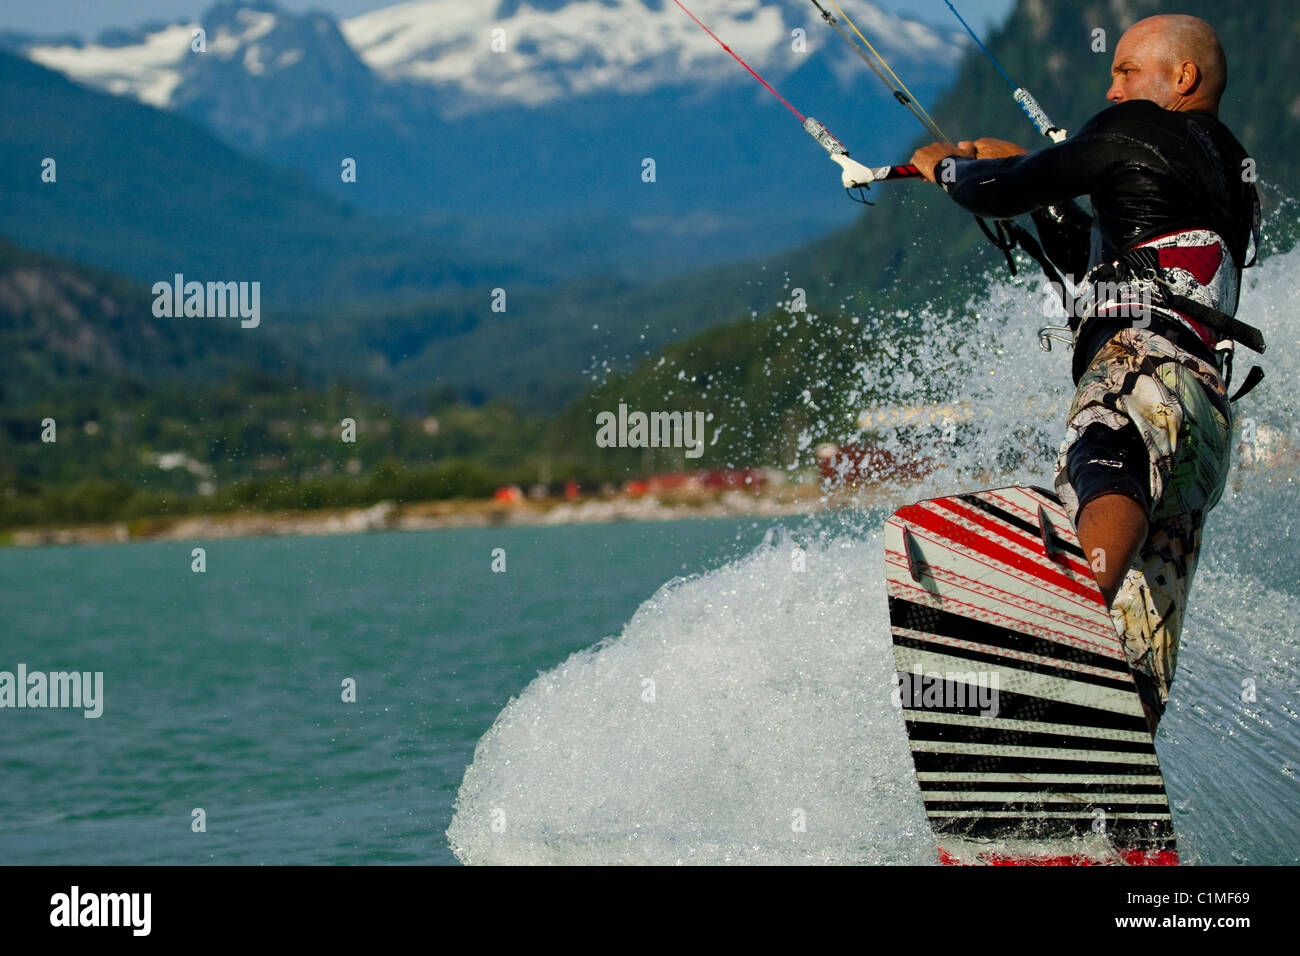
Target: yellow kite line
[[901, 84]]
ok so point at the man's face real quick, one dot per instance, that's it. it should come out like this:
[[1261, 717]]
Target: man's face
[[1140, 72]]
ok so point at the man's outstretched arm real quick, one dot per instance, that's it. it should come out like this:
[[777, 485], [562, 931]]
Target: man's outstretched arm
[[999, 180]]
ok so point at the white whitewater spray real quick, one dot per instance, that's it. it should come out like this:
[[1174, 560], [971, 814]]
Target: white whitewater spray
[[745, 715]]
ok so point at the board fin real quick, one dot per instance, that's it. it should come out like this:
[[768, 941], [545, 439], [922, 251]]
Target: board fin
[[913, 555], [1045, 532]]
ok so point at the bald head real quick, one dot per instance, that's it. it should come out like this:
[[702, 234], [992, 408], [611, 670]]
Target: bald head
[[1173, 60]]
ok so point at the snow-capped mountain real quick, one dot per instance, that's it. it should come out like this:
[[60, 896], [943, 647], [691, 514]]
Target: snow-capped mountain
[[267, 75], [246, 68], [487, 54], [529, 120]]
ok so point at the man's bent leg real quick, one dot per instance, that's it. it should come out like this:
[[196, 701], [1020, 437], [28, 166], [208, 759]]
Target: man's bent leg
[[1151, 423], [1107, 473], [1112, 529]]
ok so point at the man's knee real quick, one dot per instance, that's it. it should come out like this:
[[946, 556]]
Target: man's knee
[[1105, 461]]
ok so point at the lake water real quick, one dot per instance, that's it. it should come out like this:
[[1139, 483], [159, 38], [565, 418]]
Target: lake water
[[223, 688]]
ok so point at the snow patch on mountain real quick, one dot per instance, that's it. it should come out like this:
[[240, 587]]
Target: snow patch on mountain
[[510, 52], [148, 70], [518, 53]]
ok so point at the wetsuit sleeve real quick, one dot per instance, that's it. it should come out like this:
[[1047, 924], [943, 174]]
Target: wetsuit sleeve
[[1010, 187]]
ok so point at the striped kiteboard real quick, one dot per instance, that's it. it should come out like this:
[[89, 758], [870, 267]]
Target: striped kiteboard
[[1026, 729]]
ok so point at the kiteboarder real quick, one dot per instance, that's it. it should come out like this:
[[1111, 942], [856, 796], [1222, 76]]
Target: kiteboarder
[[1146, 449]]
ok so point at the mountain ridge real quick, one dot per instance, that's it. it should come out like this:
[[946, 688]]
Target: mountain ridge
[[149, 194]]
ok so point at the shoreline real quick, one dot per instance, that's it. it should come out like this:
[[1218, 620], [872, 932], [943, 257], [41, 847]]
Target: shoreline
[[432, 515]]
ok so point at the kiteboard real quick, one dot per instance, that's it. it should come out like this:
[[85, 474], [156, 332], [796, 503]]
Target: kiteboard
[[1025, 726]]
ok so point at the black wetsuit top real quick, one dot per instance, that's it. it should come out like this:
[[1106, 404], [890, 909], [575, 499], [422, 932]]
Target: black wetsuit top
[[1148, 172]]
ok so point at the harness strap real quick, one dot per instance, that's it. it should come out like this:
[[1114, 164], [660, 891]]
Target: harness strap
[[1011, 234], [1253, 378], [1220, 322], [1143, 264], [1003, 242]]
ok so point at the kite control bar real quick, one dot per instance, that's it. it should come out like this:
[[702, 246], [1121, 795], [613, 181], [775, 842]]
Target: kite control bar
[[854, 173]]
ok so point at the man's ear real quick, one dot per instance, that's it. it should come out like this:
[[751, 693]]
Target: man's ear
[[1189, 77]]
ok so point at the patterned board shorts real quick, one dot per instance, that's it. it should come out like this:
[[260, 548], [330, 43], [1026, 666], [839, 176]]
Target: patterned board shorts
[[1178, 405]]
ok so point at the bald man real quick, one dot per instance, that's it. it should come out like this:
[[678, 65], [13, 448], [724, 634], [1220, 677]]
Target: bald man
[[1146, 451]]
